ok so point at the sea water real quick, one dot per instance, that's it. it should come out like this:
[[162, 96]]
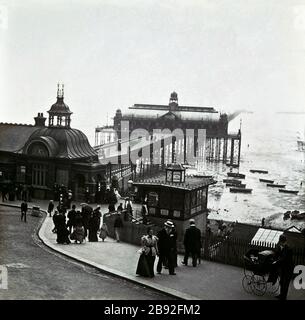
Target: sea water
[[269, 142]]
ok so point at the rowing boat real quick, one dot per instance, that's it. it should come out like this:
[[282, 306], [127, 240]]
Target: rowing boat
[[274, 185], [241, 190], [233, 181], [259, 171], [289, 191], [236, 175], [266, 180], [241, 185]]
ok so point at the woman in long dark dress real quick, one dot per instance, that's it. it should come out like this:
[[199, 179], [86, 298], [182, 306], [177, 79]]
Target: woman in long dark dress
[[94, 224], [147, 258], [62, 231]]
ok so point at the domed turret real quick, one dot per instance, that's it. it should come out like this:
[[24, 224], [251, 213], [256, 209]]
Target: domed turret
[[173, 97], [173, 101], [60, 111], [118, 113]]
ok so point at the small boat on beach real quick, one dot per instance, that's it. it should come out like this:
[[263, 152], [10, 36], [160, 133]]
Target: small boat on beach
[[240, 190], [289, 191], [199, 175], [274, 185], [241, 185], [233, 181], [259, 171], [236, 175], [266, 180]]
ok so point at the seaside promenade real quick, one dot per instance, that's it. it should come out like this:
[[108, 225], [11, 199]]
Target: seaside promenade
[[208, 281]]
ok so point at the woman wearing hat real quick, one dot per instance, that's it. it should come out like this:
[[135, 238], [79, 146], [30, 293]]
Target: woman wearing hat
[[149, 250]]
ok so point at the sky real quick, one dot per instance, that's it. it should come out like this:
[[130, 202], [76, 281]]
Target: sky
[[110, 54]]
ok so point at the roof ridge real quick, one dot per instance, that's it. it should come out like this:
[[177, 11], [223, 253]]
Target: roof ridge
[[17, 124]]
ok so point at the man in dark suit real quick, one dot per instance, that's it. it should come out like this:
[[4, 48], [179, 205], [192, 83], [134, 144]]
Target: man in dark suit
[[24, 209], [285, 264], [71, 217], [192, 243], [86, 214], [166, 248]]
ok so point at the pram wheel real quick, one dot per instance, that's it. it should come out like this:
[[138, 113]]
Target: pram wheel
[[247, 283], [259, 285], [273, 288]]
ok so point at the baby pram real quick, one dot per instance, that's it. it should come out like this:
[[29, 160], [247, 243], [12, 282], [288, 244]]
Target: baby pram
[[260, 272]]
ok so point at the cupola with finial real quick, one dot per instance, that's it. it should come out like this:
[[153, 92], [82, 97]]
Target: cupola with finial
[[60, 114]]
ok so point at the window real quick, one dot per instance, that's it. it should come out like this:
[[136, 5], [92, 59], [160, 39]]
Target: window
[[38, 149], [153, 199], [152, 211], [199, 198], [177, 214], [176, 176], [62, 177], [178, 200], [187, 202], [21, 170], [165, 199], [39, 175], [204, 198], [164, 212], [169, 176], [193, 200]]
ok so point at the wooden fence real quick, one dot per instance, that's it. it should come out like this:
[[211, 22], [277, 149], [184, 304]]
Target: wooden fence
[[232, 250], [226, 250]]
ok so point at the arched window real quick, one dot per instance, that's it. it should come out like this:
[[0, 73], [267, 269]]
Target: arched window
[[38, 149]]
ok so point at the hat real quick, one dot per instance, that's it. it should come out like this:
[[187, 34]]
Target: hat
[[169, 224], [192, 221]]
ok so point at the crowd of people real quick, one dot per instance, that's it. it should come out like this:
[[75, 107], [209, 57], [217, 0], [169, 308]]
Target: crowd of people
[[19, 191], [77, 225], [86, 223]]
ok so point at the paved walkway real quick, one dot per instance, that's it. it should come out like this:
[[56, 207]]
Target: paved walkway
[[209, 281]]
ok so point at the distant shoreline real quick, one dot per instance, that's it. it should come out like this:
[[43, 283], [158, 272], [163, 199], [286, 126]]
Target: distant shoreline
[[290, 112]]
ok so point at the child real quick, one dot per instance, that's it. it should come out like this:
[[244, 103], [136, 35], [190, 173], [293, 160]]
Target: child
[[104, 231]]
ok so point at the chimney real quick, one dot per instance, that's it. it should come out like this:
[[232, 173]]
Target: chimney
[[40, 120]]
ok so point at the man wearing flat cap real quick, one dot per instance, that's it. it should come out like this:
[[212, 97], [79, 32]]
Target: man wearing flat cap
[[166, 247], [192, 243]]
